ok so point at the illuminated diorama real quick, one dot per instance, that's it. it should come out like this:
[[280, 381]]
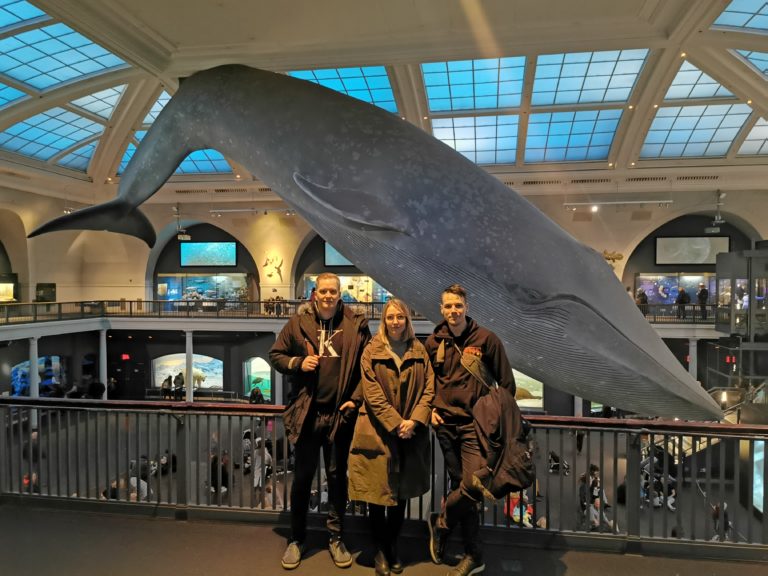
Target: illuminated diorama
[[257, 373], [207, 372]]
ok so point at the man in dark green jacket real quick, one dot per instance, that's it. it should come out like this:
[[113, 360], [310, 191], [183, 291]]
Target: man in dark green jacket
[[319, 349], [456, 392]]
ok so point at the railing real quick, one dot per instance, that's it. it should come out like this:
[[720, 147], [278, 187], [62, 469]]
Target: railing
[[679, 313], [221, 456], [54, 311]]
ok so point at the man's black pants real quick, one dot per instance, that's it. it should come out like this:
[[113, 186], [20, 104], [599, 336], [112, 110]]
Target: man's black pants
[[315, 436], [461, 451]]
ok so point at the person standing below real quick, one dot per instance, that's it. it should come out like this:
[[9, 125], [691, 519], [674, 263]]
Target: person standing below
[[319, 349], [682, 300], [702, 296], [390, 454], [456, 391]]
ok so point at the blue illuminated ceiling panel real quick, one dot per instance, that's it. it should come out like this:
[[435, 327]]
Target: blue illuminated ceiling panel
[[9, 95], [204, 162], [482, 139], [758, 59], [490, 83], [130, 150], [757, 140], [571, 136], [44, 135], [47, 57], [101, 103], [14, 12], [586, 77], [369, 84], [745, 14], [694, 131], [80, 158], [156, 108], [691, 83]]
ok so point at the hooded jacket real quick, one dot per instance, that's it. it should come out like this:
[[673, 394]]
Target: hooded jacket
[[456, 389], [382, 467], [298, 339]]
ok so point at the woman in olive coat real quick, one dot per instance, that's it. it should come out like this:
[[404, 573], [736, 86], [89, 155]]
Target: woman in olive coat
[[389, 458]]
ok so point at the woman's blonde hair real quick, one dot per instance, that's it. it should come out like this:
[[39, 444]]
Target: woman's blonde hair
[[408, 333]]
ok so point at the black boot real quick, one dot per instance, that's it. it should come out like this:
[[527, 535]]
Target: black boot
[[380, 564], [395, 564]]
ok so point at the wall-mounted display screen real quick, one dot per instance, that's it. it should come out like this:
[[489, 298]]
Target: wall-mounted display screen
[[207, 372], [208, 253], [334, 258], [690, 249]]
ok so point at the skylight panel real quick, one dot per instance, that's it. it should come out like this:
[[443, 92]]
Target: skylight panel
[[9, 94], [691, 83], [756, 142], [157, 107], [585, 135], [586, 77], [490, 83], [44, 135], [694, 131], [482, 139], [101, 103], [49, 56], [130, 150], [80, 158], [204, 162], [369, 84], [13, 12], [746, 14], [758, 59]]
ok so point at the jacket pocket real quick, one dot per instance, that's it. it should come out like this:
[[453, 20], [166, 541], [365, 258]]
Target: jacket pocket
[[366, 439]]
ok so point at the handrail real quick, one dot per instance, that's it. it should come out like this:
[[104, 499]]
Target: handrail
[[35, 312], [639, 425]]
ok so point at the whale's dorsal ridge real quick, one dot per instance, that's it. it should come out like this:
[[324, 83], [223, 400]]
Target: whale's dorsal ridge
[[365, 211]]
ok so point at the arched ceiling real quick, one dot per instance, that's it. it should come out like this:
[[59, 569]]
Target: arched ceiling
[[551, 96]]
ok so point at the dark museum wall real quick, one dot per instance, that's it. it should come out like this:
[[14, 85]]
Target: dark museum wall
[[643, 258], [312, 261], [134, 374]]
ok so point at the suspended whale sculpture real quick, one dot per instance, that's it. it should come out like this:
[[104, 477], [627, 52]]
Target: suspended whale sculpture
[[416, 216]]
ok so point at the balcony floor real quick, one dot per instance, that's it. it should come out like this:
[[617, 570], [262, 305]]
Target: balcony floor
[[42, 540]]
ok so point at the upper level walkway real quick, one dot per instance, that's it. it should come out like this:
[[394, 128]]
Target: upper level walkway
[[41, 319]]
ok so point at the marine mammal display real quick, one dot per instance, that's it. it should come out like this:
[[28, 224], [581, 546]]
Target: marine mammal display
[[416, 216]]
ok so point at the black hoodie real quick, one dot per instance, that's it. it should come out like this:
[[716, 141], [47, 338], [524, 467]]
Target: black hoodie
[[456, 390]]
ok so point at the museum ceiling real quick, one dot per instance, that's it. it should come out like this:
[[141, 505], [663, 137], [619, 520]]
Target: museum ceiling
[[551, 96]]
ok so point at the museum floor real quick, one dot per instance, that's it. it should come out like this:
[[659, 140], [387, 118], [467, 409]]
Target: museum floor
[[41, 540]]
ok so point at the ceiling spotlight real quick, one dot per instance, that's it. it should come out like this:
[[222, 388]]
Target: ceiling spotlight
[[631, 107], [67, 210], [683, 54], [610, 164], [595, 208]]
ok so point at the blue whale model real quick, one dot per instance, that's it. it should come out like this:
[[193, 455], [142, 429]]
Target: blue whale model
[[416, 216]]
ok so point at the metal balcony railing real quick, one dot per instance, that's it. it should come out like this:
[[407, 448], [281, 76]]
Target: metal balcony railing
[[224, 456]]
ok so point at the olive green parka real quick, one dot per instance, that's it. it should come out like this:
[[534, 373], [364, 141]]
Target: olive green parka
[[382, 467]]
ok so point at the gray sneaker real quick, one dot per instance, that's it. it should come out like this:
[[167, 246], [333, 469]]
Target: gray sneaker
[[292, 555], [467, 566], [339, 553]]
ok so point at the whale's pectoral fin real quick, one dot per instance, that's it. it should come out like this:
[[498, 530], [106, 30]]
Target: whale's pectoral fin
[[114, 216], [366, 211]]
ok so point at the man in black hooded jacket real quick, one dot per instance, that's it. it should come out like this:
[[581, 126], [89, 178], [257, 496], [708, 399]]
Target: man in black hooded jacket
[[456, 391]]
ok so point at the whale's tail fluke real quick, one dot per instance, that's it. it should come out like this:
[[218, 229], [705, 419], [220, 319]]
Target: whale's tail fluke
[[114, 216]]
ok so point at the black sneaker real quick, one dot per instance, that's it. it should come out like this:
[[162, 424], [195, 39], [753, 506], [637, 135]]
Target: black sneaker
[[437, 538], [467, 566]]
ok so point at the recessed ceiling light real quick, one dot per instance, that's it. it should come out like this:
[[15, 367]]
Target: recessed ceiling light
[[749, 101], [682, 54], [610, 164], [655, 105], [595, 208], [631, 107]]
